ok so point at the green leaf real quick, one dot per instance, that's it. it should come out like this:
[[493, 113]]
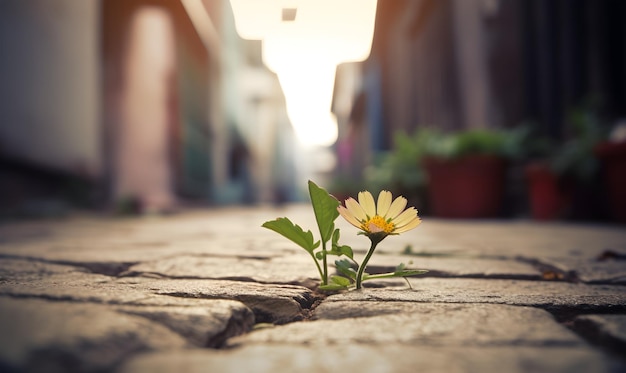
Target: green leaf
[[347, 251], [341, 280], [345, 268], [342, 250], [337, 283], [335, 238], [402, 273], [325, 209], [410, 272], [293, 232]]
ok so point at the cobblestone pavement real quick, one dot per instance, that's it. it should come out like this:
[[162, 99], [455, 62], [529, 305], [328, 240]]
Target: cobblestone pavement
[[213, 291]]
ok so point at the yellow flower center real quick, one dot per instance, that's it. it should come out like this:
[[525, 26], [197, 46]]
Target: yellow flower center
[[378, 224]]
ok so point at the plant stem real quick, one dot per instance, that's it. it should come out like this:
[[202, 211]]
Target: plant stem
[[359, 275], [318, 268], [324, 264]]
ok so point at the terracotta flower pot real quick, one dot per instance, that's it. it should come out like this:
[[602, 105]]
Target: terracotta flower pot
[[547, 196], [613, 158], [468, 187]]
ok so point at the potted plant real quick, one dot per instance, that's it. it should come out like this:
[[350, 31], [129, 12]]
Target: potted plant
[[548, 193], [563, 182], [466, 171], [612, 155], [400, 168], [548, 188]]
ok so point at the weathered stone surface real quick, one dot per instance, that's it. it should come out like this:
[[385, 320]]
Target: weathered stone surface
[[387, 358], [205, 324], [592, 270], [77, 331], [171, 283], [269, 302], [43, 336], [227, 233], [435, 324], [19, 271], [450, 266], [545, 294], [508, 239], [277, 304], [76, 286], [264, 270], [606, 330]]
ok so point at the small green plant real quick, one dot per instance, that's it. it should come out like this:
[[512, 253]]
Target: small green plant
[[508, 144], [574, 158], [400, 167], [376, 221]]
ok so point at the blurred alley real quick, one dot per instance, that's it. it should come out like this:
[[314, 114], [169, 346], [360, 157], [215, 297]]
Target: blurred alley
[[150, 105]]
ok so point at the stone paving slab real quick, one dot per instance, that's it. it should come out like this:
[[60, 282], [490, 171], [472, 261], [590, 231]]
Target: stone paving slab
[[45, 336], [432, 324], [259, 269], [113, 258], [593, 271], [387, 358], [270, 303], [22, 271], [458, 267], [606, 330], [276, 304], [134, 240], [552, 295], [508, 239]]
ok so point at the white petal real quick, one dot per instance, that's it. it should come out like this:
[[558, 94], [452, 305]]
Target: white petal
[[355, 209], [367, 203], [396, 207], [348, 216], [384, 201], [402, 219], [412, 224]]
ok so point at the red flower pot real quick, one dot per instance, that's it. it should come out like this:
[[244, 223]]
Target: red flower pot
[[613, 158], [468, 187], [548, 198]]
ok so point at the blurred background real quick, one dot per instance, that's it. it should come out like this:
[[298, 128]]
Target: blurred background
[[148, 106]]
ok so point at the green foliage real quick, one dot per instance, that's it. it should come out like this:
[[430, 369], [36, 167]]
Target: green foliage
[[293, 232], [340, 249], [399, 168], [345, 268], [509, 144], [325, 209], [400, 271], [574, 158], [336, 283]]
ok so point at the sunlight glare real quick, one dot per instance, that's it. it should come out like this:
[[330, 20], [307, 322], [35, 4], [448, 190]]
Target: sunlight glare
[[305, 52]]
